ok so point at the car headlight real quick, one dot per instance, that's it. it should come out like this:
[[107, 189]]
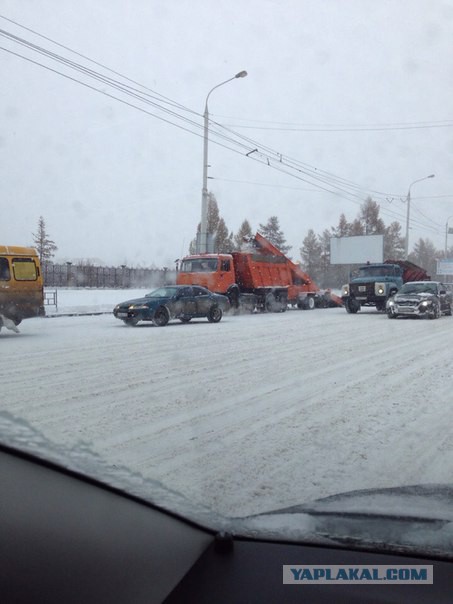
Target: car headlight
[[379, 289], [426, 303], [138, 307], [345, 290], [391, 302]]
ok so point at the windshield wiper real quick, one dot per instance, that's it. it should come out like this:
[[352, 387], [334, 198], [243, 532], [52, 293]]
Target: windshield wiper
[[416, 519]]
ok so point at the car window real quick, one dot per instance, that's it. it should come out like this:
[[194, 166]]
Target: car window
[[24, 269], [141, 145], [4, 269], [198, 291], [186, 292], [163, 292]]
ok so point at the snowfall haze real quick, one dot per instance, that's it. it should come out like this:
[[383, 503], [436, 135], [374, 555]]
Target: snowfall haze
[[119, 185]]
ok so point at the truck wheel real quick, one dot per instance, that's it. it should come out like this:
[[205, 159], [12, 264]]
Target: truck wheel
[[233, 296], [380, 306], [448, 311], [352, 306], [324, 301], [161, 317], [307, 303], [272, 304], [310, 303], [283, 302], [214, 314]]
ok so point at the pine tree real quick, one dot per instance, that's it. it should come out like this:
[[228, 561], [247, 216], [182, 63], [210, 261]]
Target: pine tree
[[393, 242], [272, 232], [356, 228], [424, 255], [223, 241], [343, 229], [45, 247], [244, 233], [213, 214], [213, 223], [311, 254], [369, 217], [327, 272]]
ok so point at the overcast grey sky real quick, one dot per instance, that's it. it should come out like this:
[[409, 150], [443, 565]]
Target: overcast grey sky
[[359, 89]]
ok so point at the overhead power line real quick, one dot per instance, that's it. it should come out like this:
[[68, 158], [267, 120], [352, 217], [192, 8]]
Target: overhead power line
[[169, 111], [297, 127], [345, 129], [88, 59]]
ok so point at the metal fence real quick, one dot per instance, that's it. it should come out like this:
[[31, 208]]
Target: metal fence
[[69, 275]]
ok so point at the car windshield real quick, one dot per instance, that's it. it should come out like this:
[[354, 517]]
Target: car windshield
[[142, 144], [163, 292], [419, 288]]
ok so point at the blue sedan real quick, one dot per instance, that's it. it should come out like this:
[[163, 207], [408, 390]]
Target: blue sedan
[[173, 302]]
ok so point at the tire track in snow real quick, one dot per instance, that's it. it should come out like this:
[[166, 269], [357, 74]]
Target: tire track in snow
[[250, 414]]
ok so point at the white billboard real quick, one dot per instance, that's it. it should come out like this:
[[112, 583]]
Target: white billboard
[[445, 267], [357, 250]]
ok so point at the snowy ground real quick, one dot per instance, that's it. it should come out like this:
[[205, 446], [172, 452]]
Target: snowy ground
[[251, 414]]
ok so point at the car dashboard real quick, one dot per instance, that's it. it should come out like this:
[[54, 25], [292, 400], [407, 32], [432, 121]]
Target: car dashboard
[[67, 538]]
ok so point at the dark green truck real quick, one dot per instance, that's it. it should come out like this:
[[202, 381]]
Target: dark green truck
[[373, 284]]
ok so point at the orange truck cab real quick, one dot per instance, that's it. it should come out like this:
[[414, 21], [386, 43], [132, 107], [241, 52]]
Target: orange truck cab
[[21, 285], [213, 271]]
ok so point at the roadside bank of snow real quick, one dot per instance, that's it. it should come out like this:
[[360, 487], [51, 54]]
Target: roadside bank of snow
[[88, 301]]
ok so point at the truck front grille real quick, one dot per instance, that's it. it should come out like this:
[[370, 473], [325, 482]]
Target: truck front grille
[[362, 289]]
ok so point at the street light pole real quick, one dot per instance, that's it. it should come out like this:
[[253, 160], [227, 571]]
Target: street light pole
[[408, 201], [202, 246], [446, 235]]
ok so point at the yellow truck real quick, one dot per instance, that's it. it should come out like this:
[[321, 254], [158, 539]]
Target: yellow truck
[[21, 285]]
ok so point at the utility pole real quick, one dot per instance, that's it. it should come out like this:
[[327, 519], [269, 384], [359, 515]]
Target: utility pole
[[202, 243], [408, 201]]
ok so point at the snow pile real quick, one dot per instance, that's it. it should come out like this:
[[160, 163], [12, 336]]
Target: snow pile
[[88, 301]]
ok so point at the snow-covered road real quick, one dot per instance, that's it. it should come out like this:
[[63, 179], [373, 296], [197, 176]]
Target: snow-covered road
[[251, 414]]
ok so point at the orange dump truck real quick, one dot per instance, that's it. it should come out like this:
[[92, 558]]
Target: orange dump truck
[[260, 277], [21, 285]]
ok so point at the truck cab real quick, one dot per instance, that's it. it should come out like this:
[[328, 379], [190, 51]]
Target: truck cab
[[213, 271]]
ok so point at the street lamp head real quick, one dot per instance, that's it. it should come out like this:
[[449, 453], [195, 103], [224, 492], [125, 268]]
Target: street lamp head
[[241, 74]]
